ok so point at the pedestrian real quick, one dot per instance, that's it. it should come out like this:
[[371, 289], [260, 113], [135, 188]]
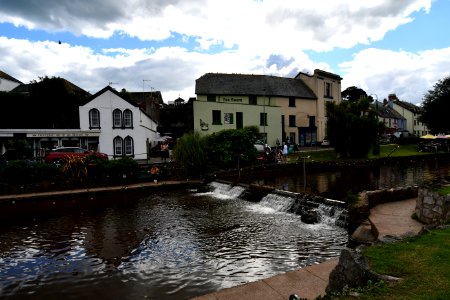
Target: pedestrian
[[285, 152], [164, 151]]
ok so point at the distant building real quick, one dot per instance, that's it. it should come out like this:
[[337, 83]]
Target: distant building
[[411, 113], [393, 121]]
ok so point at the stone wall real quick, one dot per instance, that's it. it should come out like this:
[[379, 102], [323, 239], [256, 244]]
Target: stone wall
[[359, 211], [432, 208]]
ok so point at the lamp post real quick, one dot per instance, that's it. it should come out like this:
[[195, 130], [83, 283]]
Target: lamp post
[[304, 171], [376, 149], [264, 115]]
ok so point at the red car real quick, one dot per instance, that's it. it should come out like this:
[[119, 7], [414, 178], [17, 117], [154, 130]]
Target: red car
[[56, 155]]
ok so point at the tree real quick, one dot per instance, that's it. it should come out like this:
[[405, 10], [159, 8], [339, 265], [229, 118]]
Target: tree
[[353, 94], [190, 153], [227, 146], [436, 107], [352, 127]]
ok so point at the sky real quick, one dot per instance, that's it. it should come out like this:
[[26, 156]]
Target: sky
[[380, 46]]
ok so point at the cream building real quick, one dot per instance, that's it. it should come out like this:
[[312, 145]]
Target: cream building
[[284, 109], [327, 87]]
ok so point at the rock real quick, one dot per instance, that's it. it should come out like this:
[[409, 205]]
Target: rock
[[352, 271], [364, 234], [310, 217]]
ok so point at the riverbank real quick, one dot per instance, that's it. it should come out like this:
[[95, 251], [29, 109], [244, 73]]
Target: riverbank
[[311, 282]]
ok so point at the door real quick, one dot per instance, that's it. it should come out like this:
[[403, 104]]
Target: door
[[239, 120]]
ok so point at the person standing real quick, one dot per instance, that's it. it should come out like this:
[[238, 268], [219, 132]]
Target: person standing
[[285, 152], [164, 151]]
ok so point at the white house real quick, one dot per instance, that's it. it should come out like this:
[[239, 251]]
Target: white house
[[7, 82], [125, 129]]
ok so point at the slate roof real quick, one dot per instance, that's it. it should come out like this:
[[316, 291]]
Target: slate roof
[[409, 106], [8, 77], [259, 85], [386, 111]]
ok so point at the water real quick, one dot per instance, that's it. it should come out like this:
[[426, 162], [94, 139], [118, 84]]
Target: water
[[175, 245], [337, 183]]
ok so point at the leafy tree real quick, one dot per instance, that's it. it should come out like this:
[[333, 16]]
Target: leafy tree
[[190, 153], [436, 107], [227, 146], [352, 127], [353, 94]]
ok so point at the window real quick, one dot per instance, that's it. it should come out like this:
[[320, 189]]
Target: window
[[118, 146], [129, 146], [291, 101], [94, 118], [263, 119], [312, 121], [328, 90], [211, 98], [216, 114], [117, 118], [127, 119], [292, 121], [228, 118], [252, 100]]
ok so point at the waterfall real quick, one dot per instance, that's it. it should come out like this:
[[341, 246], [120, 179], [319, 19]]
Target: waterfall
[[225, 191], [277, 202], [332, 215], [312, 209]]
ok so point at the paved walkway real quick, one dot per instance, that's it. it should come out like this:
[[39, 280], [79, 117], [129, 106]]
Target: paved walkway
[[390, 219], [395, 219]]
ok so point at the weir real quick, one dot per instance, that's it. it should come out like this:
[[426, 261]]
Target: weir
[[312, 209]]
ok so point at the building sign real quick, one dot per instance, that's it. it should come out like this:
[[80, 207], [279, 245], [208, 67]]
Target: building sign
[[63, 134], [231, 99]]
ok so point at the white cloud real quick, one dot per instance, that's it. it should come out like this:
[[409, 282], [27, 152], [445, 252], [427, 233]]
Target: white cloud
[[409, 75], [259, 37]]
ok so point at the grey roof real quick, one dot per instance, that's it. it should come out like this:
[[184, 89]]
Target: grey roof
[[385, 111], [409, 106], [259, 85]]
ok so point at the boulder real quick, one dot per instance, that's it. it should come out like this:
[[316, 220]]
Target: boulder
[[352, 271]]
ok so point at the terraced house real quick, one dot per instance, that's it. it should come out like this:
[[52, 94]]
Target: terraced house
[[284, 109]]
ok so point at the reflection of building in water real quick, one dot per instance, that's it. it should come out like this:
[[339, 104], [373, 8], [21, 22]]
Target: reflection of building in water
[[111, 239]]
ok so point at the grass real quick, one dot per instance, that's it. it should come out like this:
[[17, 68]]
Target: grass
[[422, 262], [392, 150], [444, 190]]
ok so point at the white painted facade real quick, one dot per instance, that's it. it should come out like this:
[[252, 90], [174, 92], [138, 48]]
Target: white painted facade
[[7, 85], [142, 132]]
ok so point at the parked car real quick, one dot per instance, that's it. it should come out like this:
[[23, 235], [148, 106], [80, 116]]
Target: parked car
[[260, 146], [56, 155], [325, 143]]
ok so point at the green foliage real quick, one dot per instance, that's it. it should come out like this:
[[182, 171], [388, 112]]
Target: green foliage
[[190, 153], [352, 127], [436, 105], [353, 94], [351, 198], [227, 146], [123, 169]]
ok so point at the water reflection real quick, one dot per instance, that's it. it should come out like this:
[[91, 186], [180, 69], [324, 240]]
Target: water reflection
[[337, 183], [162, 246]]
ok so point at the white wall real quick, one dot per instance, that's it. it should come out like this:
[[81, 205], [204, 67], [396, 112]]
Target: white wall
[[143, 127], [7, 85]]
